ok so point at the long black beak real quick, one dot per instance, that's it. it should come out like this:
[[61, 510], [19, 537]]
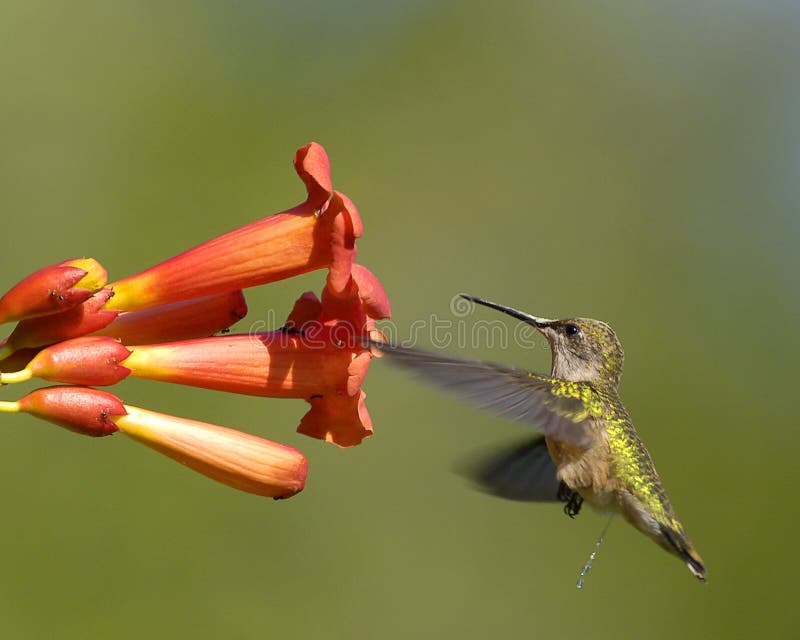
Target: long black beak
[[539, 323]]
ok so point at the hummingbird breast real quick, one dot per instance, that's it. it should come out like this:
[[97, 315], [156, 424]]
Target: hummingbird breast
[[588, 470]]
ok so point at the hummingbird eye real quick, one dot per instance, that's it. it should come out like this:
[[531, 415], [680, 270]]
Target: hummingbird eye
[[571, 330]]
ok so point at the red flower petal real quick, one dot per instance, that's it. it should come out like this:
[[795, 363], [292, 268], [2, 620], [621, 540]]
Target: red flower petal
[[346, 228], [314, 168], [371, 292], [339, 419]]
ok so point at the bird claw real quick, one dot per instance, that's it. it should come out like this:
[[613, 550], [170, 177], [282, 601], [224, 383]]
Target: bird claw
[[572, 498]]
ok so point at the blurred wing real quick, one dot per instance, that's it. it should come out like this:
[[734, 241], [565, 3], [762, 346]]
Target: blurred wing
[[524, 472], [557, 408]]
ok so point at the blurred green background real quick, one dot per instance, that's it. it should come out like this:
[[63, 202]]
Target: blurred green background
[[633, 163]]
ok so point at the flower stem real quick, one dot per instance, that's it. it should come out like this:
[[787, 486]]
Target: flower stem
[[7, 406], [12, 377]]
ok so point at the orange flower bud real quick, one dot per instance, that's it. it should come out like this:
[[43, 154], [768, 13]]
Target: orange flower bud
[[86, 317], [86, 411], [52, 289], [239, 460], [90, 360]]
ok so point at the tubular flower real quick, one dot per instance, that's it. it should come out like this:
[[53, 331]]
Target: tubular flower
[[183, 320], [318, 356], [52, 289], [315, 234], [343, 317], [237, 459], [159, 325]]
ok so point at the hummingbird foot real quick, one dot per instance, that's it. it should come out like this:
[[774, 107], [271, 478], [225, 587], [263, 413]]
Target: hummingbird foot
[[572, 498]]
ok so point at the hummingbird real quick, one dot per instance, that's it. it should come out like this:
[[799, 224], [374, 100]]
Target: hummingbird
[[587, 449]]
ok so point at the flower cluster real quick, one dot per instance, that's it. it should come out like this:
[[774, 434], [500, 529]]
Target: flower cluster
[[75, 328]]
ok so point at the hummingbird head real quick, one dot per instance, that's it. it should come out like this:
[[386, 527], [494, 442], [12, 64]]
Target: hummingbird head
[[583, 349]]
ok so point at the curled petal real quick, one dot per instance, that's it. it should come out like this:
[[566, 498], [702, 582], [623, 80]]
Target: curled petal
[[314, 168], [347, 227], [237, 459], [357, 371], [52, 289], [371, 292]]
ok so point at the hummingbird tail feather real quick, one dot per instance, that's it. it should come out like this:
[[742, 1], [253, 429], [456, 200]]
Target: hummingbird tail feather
[[685, 550]]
